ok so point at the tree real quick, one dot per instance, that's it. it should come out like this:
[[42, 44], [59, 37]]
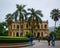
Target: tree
[[55, 14], [3, 30], [9, 19], [21, 13], [28, 34], [57, 31], [35, 18], [15, 15]]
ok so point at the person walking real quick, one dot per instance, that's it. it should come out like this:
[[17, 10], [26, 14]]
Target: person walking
[[48, 39], [53, 39], [39, 38], [30, 40]]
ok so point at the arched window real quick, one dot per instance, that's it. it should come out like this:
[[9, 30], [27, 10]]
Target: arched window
[[41, 26], [45, 26], [17, 26], [14, 26]]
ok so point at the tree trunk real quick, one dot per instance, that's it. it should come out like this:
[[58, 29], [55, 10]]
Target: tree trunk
[[19, 22], [55, 25]]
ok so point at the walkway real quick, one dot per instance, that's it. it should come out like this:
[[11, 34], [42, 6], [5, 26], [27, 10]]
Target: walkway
[[43, 44]]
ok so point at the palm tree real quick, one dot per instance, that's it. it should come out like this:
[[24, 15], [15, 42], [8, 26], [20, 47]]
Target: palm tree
[[9, 19], [35, 18], [15, 15], [55, 14], [21, 13]]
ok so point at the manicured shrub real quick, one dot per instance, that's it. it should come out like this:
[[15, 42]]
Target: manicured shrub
[[8, 39]]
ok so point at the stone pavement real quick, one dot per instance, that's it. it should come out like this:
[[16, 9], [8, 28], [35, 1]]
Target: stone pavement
[[43, 44]]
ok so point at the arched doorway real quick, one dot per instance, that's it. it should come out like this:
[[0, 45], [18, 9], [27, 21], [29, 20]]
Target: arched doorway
[[21, 34], [17, 34], [41, 34], [38, 34]]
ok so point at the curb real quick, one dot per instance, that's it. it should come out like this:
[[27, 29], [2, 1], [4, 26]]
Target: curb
[[14, 46]]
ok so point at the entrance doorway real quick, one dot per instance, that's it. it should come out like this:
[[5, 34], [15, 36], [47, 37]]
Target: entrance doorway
[[38, 34], [17, 34]]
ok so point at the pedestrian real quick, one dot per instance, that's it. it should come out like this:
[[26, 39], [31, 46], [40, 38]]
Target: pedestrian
[[48, 39], [30, 40], [53, 37], [39, 38]]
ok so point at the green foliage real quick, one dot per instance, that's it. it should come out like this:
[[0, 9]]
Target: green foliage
[[55, 15], [53, 33], [35, 17], [21, 11], [28, 34], [10, 39], [57, 33], [9, 19], [3, 30], [57, 37]]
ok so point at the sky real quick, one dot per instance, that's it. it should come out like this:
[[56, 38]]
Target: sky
[[9, 6]]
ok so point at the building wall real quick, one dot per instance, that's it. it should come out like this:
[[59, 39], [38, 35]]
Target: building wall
[[17, 29]]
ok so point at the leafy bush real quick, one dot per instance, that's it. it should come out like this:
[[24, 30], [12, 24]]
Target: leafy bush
[[53, 33], [8, 39], [57, 37], [28, 34], [57, 34]]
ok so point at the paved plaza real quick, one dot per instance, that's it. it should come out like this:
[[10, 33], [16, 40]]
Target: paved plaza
[[43, 44]]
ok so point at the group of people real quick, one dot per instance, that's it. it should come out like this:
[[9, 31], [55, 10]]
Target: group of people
[[50, 38]]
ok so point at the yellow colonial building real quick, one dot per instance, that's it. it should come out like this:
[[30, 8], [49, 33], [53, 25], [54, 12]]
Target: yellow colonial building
[[17, 29]]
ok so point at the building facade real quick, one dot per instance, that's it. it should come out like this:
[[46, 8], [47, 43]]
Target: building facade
[[17, 29]]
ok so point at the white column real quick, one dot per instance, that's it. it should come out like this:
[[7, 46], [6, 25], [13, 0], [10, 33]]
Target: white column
[[15, 33], [19, 33], [19, 30]]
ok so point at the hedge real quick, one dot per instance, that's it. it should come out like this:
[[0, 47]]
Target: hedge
[[57, 37], [9, 39]]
